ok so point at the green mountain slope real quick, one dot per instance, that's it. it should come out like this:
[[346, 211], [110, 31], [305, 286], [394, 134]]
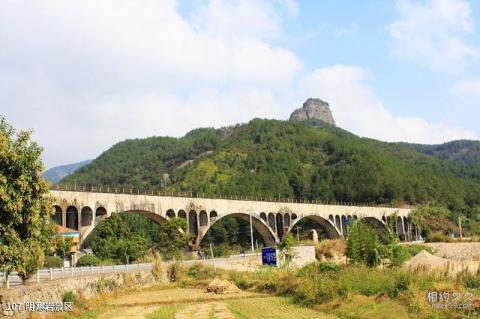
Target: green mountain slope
[[463, 152], [272, 158]]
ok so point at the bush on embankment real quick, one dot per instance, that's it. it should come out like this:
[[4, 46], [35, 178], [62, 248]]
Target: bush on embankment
[[88, 260]]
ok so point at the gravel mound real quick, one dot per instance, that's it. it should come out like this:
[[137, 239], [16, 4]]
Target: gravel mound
[[429, 262]]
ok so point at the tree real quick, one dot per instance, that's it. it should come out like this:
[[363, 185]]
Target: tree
[[25, 208], [363, 245], [286, 248], [63, 247], [114, 238], [171, 238]]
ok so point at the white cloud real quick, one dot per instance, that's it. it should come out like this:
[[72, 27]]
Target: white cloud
[[355, 106], [85, 75], [470, 86], [74, 69], [434, 33]]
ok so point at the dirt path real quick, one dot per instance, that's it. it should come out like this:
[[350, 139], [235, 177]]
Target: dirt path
[[205, 311]]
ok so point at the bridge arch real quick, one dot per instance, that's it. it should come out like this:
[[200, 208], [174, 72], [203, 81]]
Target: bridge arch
[[286, 220], [58, 217], [100, 211], [87, 216], [192, 222], [203, 218], [182, 214], [279, 223], [331, 230], [399, 227], [267, 234], [338, 223], [271, 221], [72, 217], [213, 214], [377, 224], [170, 213], [263, 216]]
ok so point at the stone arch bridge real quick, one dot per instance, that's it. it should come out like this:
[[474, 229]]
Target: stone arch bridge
[[82, 211]]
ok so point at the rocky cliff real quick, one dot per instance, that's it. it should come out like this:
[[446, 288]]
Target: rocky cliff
[[313, 108]]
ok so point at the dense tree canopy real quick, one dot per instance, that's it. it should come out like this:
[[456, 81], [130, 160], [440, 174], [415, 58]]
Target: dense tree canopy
[[25, 210], [122, 238], [271, 158], [172, 238]]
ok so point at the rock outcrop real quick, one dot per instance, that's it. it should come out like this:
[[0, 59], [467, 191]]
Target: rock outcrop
[[313, 108]]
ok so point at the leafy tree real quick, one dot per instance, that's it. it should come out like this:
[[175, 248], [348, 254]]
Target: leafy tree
[[363, 245], [115, 239], [171, 238], [130, 249], [287, 252], [63, 247], [25, 209]]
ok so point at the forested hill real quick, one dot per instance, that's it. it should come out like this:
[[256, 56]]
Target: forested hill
[[308, 159]]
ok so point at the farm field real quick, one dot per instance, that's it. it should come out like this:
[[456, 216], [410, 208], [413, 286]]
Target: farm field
[[180, 303]]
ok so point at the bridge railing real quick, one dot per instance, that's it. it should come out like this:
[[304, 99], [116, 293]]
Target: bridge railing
[[13, 279], [152, 192]]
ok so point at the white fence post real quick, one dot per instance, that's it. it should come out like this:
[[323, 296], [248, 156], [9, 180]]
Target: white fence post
[[7, 281], [51, 273], [63, 272], [126, 268], [103, 269], [71, 270], [91, 270], [38, 276]]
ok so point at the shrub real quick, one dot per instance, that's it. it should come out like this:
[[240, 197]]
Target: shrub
[[173, 272], [402, 281], [104, 285], [438, 237], [399, 255], [471, 281], [70, 296], [316, 290], [241, 279], [363, 245], [415, 249], [287, 253], [328, 267], [200, 272], [53, 262], [157, 268], [88, 260], [315, 268], [366, 281]]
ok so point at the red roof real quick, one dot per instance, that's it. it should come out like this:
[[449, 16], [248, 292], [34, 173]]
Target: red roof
[[62, 230]]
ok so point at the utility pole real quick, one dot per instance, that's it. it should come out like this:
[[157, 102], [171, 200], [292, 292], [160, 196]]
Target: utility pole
[[251, 232], [460, 226]]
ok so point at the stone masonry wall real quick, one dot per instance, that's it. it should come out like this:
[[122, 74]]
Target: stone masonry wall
[[53, 291]]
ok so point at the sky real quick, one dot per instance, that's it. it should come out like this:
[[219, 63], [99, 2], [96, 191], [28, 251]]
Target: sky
[[84, 75]]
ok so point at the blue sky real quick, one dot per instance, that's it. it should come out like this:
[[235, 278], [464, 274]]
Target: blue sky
[[85, 75]]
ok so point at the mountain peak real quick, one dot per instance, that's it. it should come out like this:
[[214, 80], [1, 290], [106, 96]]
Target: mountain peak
[[313, 108]]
